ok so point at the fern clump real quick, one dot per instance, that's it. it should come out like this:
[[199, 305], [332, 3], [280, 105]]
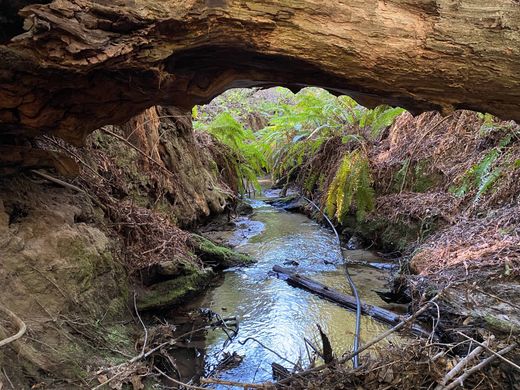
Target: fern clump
[[351, 187], [485, 173], [249, 161]]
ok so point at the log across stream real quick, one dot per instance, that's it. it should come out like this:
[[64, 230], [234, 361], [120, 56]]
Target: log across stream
[[276, 314], [344, 300]]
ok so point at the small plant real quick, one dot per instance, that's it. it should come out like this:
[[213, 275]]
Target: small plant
[[485, 173]]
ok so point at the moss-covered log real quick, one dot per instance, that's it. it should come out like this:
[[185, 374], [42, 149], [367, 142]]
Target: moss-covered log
[[216, 255]]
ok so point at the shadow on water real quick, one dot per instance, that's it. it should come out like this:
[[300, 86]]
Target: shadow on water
[[271, 311]]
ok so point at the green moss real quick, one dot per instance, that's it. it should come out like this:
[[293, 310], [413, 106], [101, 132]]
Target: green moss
[[224, 257], [172, 292]]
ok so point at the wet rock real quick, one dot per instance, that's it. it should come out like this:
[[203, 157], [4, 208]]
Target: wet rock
[[292, 263], [292, 203], [244, 208]]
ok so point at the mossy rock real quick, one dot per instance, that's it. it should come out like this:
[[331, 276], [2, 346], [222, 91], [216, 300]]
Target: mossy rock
[[173, 291], [209, 252]]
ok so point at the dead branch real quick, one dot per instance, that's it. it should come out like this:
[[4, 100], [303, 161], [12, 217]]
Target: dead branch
[[514, 365], [21, 326], [460, 365], [236, 384], [460, 380], [179, 382], [346, 301], [142, 324], [69, 186]]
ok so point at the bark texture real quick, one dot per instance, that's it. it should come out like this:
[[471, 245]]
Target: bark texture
[[82, 64]]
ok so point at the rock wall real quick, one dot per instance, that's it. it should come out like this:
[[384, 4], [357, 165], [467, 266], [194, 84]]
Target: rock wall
[[60, 277]]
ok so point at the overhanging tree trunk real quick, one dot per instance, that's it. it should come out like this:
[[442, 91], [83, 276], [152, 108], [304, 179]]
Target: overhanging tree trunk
[[82, 64]]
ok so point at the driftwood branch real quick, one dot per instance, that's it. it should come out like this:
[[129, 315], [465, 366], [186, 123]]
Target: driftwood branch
[[21, 326], [346, 301], [460, 380]]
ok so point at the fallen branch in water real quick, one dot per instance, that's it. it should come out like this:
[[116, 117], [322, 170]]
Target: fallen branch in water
[[347, 301], [21, 326]]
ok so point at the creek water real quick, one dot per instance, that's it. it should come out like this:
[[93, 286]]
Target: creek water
[[272, 312]]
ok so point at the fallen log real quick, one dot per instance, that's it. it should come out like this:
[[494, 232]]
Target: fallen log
[[346, 301]]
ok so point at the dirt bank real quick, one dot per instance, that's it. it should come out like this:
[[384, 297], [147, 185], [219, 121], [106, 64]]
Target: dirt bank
[[74, 251]]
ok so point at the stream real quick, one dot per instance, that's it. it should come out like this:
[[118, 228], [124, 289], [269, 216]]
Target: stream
[[271, 311]]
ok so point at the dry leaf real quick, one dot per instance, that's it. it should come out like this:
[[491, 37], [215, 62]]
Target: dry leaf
[[136, 383], [102, 378]]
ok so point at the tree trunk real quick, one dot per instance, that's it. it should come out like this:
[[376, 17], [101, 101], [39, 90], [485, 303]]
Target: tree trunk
[[82, 64]]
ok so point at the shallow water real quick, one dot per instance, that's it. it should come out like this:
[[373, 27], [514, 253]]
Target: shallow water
[[276, 314]]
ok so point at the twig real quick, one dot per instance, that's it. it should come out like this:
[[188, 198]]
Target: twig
[[179, 382], [142, 324], [236, 384], [8, 379], [460, 366], [50, 281], [69, 186], [73, 155], [460, 380], [107, 381], [490, 350], [21, 326], [496, 297], [58, 181], [266, 347]]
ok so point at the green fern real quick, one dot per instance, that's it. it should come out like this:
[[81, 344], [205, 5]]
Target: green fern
[[351, 186], [249, 162], [482, 175]]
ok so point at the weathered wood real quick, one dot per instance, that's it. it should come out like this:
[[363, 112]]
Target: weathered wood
[[346, 301], [81, 64]]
